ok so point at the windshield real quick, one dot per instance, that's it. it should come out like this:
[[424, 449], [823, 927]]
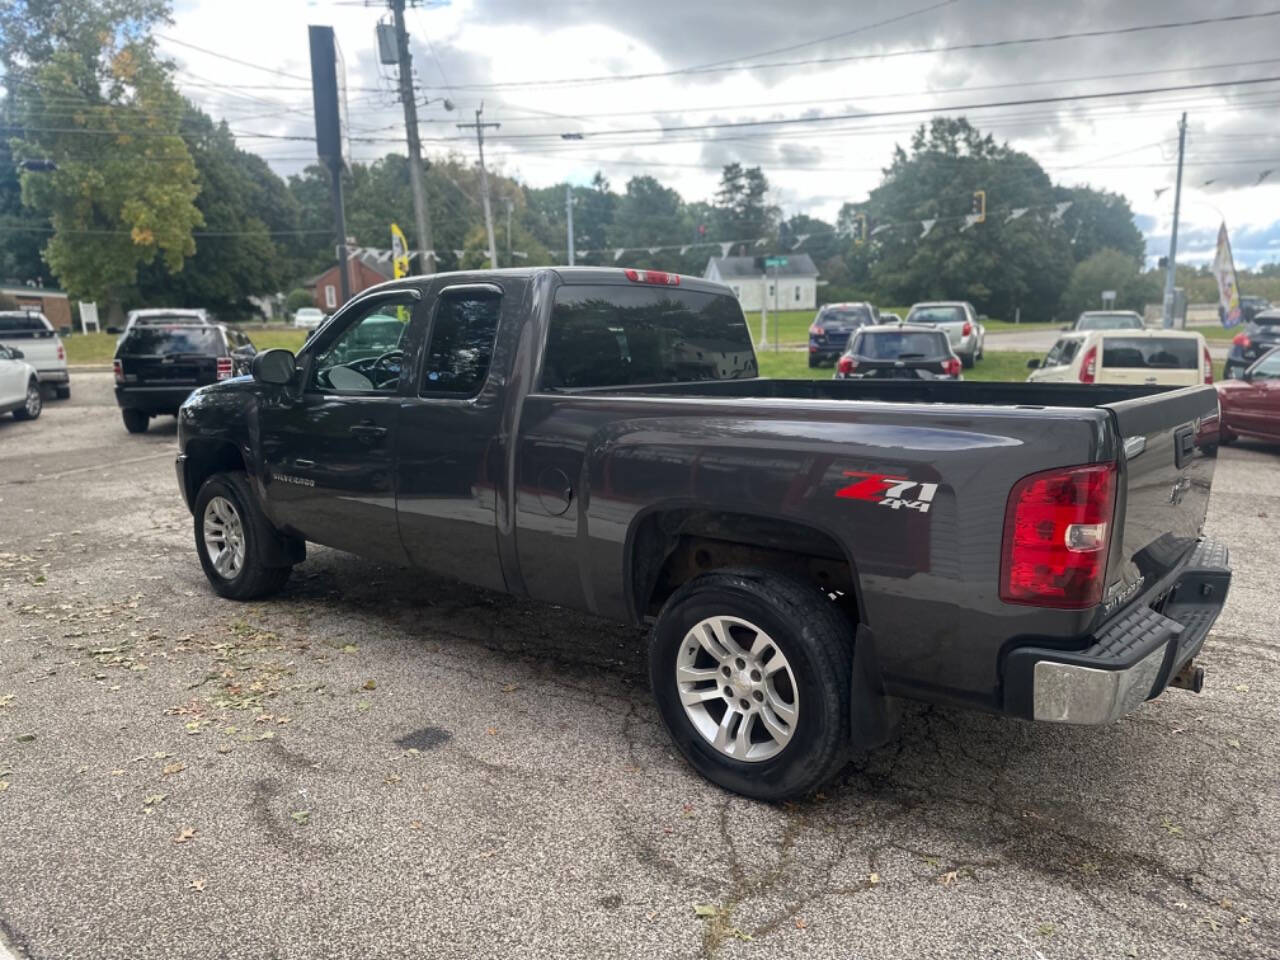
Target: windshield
[[900, 345], [168, 341], [1159, 353], [1109, 321], [612, 335], [936, 315]]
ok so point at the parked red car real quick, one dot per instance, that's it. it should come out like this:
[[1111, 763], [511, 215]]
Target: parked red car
[[1251, 404]]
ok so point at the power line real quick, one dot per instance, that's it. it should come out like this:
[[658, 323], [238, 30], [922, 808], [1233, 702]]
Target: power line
[[788, 121], [229, 59], [983, 45]]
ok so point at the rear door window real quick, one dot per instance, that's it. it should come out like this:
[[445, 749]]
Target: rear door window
[[1154, 353], [604, 336], [170, 341]]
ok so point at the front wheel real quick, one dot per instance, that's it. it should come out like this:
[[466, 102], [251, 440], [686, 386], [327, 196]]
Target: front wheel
[[751, 672], [33, 404], [227, 540]]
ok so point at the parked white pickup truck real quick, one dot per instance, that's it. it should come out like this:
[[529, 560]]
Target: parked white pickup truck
[[33, 334]]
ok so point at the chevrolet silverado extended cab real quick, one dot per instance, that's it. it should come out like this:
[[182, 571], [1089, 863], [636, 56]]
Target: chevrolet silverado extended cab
[[808, 553]]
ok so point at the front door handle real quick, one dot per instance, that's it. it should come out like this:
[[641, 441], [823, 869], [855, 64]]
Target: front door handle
[[368, 431], [303, 463]]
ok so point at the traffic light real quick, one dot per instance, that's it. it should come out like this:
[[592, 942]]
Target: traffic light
[[979, 208], [860, 229]]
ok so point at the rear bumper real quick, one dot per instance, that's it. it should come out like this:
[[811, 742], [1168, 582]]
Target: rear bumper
[[1130, 660], [52, 375], [153, 400]]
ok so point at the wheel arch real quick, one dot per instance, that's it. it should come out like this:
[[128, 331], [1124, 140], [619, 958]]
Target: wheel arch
[[204, 458], [670, 543]]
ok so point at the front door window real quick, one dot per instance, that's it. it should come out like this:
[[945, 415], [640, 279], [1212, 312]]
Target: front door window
[[367, 356]]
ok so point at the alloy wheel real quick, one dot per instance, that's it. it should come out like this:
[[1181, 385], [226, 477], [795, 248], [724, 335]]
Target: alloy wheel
[[224, 537]]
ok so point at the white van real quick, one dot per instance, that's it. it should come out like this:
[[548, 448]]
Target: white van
[[1175, 358]]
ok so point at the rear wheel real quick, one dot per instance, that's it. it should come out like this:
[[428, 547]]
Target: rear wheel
[[751, 671], [135, 421], [967, 360], [814, 361], [63, 392], [227, 540], [33, 404]]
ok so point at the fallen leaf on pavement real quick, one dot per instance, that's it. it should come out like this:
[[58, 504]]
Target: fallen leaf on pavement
[[173, 768], [948, 878], [510, 688], [117, 773], [1233, 742], [704, 910], [1211, 923], [152, 800], [873, 879], [651, 915], [26, 737], [4, 785], [197, 884], [300, 817], [1046, 929], [492, 731], [160, 755], [392, 778], [800, 924], [224, 748], [350, 648], [185, 835], [415, 824], [1242, 688], [371, 685]]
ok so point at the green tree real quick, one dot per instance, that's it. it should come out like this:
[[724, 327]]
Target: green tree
[[1100, 220], [100, 105], [1002, 265], [742, 208], [1105, 270]]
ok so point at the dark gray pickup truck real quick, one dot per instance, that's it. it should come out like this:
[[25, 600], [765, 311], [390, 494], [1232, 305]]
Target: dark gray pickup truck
[[808, 553]]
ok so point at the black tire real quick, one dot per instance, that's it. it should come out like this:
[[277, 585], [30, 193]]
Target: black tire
[[814, 362], [135, 421], [1226, 438], [62, 393], [816, 639], [967, 361], [254, 578], [34, 404]]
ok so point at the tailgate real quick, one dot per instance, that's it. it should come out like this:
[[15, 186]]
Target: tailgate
[[1170, 447], [39, 348], [169, 370]]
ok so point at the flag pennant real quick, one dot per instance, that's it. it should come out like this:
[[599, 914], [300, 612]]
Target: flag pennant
[[653, 250], [458, 254], [617, 254], [800, 238], [762, 241], [927, 227], [724, 248], [521, 254], [1224, 271], [880, 229], [684, 250], [1160, 190], [1263, 175], [1015, 213], [1060, 209], [969, 220]]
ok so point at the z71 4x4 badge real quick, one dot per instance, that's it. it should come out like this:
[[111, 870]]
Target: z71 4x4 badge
[[889, 491]]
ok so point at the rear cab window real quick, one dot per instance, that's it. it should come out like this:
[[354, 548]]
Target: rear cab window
[[460, 351], [901, 345], [150, 341], [609, 335], [1062, 353], [24, 326], [1151, 353], [849, 316]]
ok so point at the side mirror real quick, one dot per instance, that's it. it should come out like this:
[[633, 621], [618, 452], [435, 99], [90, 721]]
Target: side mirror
[[17, 354], [1066, 329], [1245, 375], [1033, 363], [274, 366]]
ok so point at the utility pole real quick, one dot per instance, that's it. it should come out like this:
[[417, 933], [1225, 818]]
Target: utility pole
[[507, 202], [479, 128], [1173, 237], [421, 217], [568, 212]]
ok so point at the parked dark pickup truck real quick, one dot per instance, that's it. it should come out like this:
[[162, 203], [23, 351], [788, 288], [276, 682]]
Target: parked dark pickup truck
[[808, 552]]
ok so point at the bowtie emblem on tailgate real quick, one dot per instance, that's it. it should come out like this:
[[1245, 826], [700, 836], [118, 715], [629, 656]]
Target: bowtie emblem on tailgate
[[887, 490]]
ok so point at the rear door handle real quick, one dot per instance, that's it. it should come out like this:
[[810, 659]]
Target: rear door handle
[[368, 431]]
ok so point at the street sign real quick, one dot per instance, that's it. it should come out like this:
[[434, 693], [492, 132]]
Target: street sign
[[775, 261]]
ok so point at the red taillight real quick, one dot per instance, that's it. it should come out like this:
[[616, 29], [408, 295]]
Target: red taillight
[[62, 354], [1089, 366], [224, 367], [816, 331], [1208, 366], [951, 367], [1242, 340], [1055, 537], [118, 370], [846, 365], [967, 329], [658, 277]]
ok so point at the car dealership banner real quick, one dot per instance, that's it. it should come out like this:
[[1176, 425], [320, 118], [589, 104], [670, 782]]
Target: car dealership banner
[[1224, 269]]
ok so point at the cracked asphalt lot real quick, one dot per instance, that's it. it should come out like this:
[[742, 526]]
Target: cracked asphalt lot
[[380, 764]]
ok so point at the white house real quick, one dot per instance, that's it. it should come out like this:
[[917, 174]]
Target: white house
[[754, 284]]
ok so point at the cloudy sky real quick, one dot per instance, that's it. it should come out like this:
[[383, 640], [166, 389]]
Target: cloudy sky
[[648, 86]]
